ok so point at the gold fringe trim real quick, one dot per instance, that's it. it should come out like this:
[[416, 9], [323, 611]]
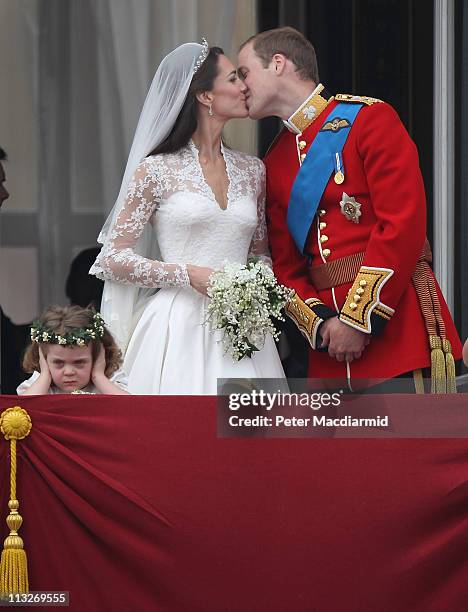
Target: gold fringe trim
[[15, 424]]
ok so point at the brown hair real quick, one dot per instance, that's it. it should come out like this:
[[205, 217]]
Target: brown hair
[[187, 120], [290, 43], [65, 319]]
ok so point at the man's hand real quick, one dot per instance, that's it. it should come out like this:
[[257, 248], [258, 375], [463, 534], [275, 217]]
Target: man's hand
[[344, 342]]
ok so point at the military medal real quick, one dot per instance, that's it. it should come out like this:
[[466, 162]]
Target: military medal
[[350, 208], [339, 174], [339, 178]]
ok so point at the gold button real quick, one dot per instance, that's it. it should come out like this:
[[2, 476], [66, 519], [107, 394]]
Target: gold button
[[323, 225], [302, 144], [357, 298], [322, 212], [303, 156], [359, 290], [353, 306], [326, 252], [363, 283], [323, 238]]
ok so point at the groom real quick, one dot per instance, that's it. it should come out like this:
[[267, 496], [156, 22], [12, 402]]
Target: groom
[[347, 222]]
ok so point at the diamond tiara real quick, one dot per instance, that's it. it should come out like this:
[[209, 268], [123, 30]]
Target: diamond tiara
[[203, 55]]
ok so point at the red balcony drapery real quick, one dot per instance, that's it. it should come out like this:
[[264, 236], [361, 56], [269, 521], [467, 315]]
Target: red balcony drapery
[[135, 503]]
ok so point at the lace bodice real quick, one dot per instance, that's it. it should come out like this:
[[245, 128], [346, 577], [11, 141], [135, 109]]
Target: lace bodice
[[169, 192]]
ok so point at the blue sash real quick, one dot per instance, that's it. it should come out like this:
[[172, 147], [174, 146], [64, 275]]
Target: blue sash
[[315, 172]]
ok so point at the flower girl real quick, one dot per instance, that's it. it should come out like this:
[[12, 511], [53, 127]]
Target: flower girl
[[71, 351]]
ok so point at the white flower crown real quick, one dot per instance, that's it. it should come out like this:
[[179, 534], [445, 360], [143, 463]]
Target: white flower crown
[[79, 336]]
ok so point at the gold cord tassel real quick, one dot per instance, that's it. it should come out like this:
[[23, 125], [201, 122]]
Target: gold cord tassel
[[418, 381], [438, 377], [449, 367], [15, 424]]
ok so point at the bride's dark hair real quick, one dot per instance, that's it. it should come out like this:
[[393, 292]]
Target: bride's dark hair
[[186, 123]]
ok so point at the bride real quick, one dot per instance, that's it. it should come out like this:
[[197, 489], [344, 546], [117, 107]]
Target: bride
[[187, 205]]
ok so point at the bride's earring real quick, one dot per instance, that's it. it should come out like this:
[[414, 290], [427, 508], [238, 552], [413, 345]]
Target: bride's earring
[[210, 110]]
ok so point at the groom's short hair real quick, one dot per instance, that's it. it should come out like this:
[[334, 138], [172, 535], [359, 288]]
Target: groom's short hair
[[290, 43]]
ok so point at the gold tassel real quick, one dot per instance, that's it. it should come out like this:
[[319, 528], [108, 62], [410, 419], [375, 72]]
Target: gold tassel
[[418, 381], [449, 367], [438, 377], [15, 424]]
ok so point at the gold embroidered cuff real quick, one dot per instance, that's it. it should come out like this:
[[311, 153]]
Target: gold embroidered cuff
[[304, 317], [363, 309]]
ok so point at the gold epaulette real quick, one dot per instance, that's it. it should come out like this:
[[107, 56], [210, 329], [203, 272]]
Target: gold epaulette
[[359, 99]]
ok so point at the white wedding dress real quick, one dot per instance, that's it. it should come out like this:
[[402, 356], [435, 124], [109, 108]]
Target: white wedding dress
[[171, 351]]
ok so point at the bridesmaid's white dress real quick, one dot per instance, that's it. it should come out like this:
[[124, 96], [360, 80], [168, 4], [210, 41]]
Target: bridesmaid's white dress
[[171, 351]]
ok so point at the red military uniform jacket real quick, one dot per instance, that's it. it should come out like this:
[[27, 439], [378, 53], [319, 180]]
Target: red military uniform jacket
[[377, 214]]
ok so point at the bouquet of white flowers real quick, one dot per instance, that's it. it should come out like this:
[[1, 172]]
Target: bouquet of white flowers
[[244, 301]]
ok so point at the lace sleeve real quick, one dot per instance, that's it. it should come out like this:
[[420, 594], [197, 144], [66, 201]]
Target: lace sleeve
[[118, 260], [259, 245]]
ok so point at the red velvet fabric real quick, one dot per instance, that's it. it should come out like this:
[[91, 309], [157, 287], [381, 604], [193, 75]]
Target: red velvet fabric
[[134, 503]]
